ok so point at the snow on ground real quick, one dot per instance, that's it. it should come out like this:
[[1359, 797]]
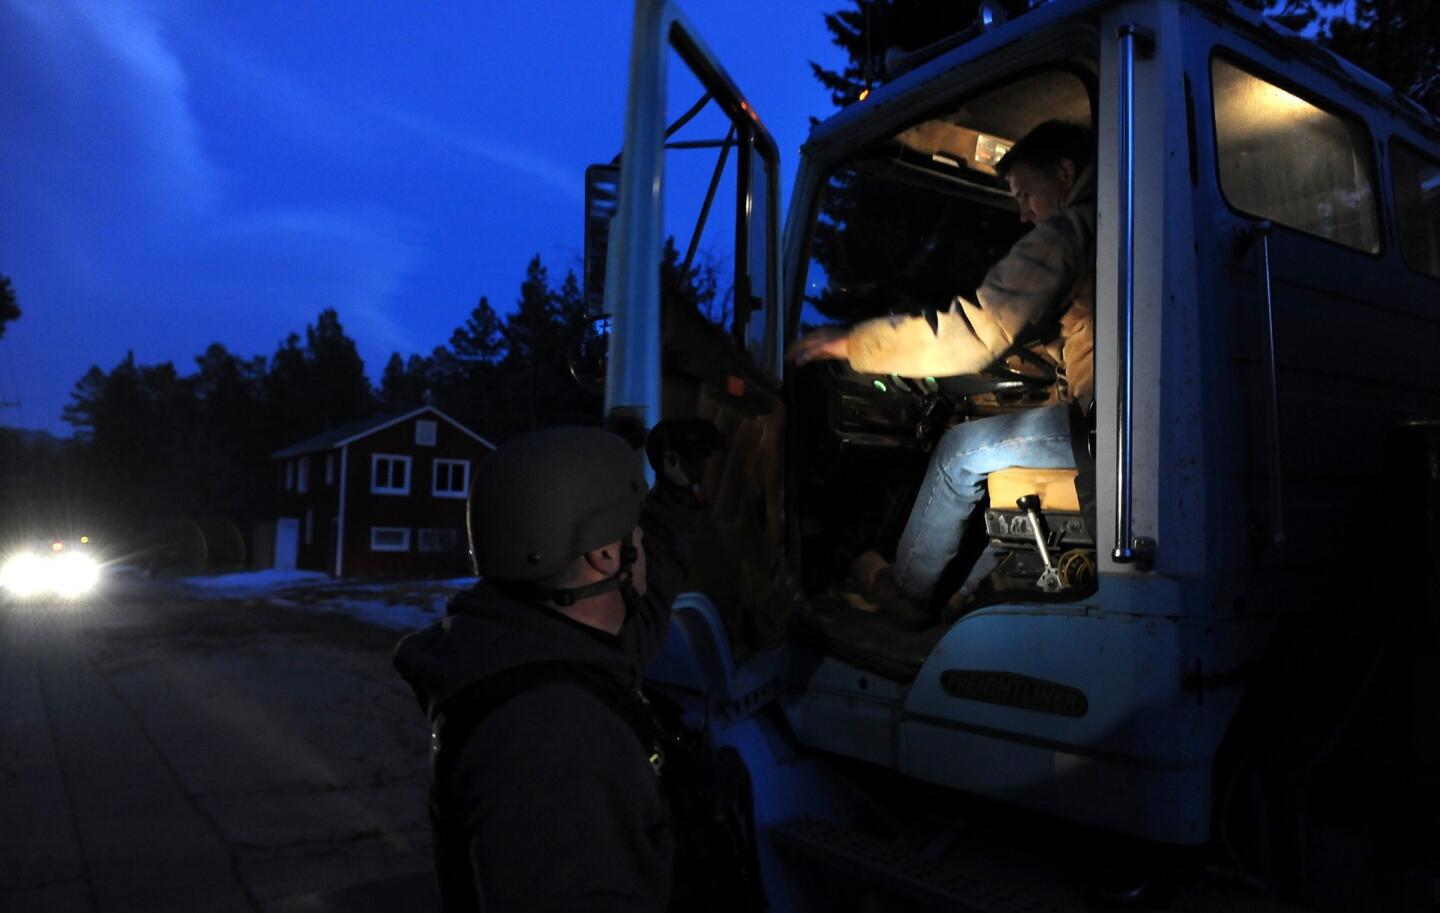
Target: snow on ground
[[395, 616], [400, 605], [248, 582]]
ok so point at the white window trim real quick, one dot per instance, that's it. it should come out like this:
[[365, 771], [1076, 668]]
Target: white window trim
[[434, 435], [375, 459], [435, 478], [405, 547]]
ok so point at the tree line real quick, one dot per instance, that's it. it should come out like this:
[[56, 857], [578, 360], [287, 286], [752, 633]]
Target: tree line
[[156, 445], [157, 441]]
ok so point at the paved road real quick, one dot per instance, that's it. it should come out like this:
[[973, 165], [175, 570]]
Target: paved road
[[160, 753]]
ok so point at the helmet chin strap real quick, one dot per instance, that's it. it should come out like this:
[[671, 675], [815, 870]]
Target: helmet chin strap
[[623, 580]]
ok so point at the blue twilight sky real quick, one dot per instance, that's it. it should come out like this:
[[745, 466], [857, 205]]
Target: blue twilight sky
[[177, 172]]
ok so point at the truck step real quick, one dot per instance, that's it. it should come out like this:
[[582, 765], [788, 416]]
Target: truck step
[[944, 883]]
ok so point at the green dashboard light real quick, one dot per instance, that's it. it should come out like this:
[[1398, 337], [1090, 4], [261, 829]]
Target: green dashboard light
[[879, 385]]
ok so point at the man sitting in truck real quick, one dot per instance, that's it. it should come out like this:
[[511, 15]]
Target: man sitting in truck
[[1040, 297]]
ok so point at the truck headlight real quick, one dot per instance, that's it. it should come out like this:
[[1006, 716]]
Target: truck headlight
[[74, 574], [25, 575]]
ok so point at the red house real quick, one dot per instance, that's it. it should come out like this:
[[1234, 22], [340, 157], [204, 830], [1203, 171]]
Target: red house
[[381, 497]]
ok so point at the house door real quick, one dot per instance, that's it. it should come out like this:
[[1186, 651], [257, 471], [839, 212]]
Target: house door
[[287, 543]]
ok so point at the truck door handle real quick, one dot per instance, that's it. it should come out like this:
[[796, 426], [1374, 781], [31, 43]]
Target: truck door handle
[[1135, 42], [1246, 236]]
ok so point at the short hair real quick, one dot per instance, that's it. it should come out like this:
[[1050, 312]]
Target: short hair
[[1044, 147]]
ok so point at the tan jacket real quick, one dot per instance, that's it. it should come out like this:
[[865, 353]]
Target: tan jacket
[[1042, 292]]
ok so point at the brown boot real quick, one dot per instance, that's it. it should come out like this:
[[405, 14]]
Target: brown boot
[[864, 568], [875, 578], [957, 605]]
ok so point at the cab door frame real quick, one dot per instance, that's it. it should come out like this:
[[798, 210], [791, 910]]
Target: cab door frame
[[632, 284]]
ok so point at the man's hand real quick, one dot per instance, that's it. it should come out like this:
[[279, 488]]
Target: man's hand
[[677, 449], [826, 342]]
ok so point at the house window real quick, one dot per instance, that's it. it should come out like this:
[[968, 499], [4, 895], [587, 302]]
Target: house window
[[452, 479], [329, 469], [289, 475], [389, 474], [389, 539], [309, 526], [439, 540], [304, 479], [1282, 158], [425, 433], [1417, 207]]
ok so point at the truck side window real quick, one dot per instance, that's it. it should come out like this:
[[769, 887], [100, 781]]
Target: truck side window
[[1283, 158], [1416, 181]]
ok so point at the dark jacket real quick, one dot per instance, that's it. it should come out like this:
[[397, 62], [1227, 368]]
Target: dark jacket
[[561, 807]]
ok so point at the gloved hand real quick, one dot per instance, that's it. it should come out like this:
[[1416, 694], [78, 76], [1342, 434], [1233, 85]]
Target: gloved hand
[[677, 449]]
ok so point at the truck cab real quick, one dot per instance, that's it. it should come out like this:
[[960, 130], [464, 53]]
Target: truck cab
[[1153, 625]]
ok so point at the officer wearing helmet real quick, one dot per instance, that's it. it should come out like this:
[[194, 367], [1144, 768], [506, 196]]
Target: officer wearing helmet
[[546, 792]]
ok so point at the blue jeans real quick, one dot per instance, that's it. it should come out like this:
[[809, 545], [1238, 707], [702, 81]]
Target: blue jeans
[[955, 483]]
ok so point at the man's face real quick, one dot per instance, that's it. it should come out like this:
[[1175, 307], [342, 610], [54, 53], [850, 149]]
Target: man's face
[[1041, 194]]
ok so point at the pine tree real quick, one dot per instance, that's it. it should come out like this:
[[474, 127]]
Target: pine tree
[[342, 391], [482, 338], [9, 305], [1396, 40], [866, 29], [319, 385]]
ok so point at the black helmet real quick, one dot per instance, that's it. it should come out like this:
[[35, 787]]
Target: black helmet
[[547, 497]]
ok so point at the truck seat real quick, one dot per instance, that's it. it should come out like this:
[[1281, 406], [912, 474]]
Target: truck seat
[[1056, 487]]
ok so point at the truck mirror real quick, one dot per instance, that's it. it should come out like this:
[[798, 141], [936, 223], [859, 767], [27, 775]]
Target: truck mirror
[[754, 256], [602, 201]]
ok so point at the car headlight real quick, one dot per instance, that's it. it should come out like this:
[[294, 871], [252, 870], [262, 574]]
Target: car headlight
[[74, 574], [25, 575]]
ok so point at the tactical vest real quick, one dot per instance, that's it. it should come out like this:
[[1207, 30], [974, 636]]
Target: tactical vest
[[715, 866]]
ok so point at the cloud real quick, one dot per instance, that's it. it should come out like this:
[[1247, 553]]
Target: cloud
[[120, 232], [558, 177], [268, 272], [106, 79], [166, 187]]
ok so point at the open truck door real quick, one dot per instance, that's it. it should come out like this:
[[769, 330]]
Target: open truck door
[[669, 59], [692, 286], [692, 283]]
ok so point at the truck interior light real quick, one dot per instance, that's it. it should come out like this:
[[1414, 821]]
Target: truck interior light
[[990, 149]]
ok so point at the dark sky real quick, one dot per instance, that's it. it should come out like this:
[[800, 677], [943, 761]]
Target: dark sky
[[177, 172]]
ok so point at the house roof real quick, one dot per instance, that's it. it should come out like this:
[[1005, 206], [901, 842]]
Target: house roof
[[341, 435]]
